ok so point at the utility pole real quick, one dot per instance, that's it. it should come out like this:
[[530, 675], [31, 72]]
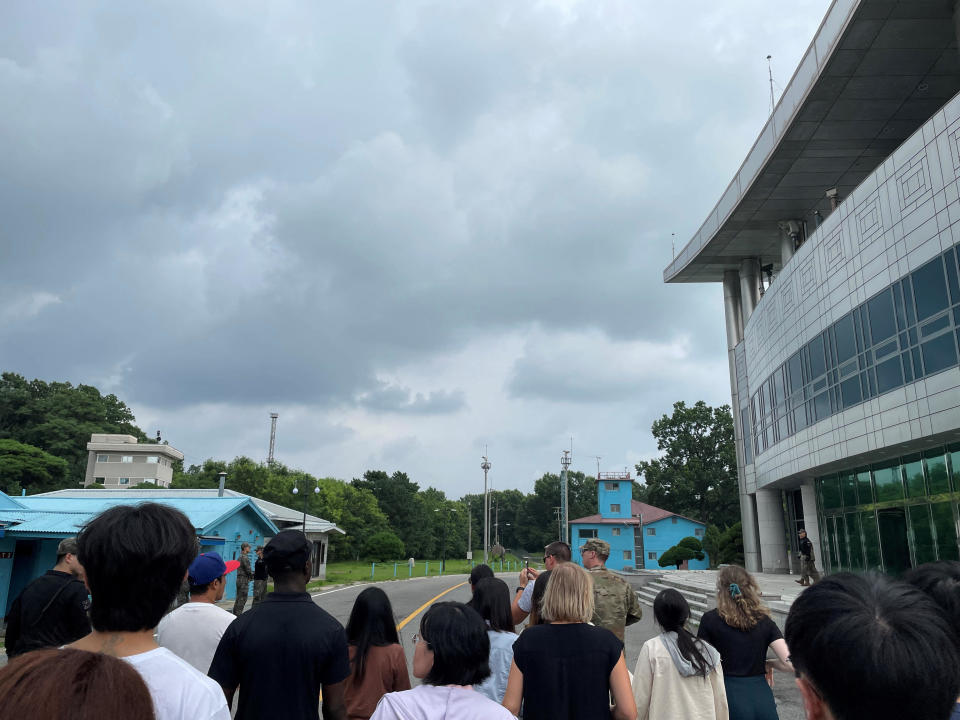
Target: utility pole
[[564, 500], [556, 511], [496, 524], [273, 437], [469, 533], [485, 466]]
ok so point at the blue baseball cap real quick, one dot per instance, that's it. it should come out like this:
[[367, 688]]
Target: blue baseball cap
[[207, 567]]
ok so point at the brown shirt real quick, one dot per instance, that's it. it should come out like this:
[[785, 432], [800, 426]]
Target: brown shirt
[[384, 671]]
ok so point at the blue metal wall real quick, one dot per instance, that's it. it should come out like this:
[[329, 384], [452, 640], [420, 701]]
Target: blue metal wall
[[618, 544], [670, 531]]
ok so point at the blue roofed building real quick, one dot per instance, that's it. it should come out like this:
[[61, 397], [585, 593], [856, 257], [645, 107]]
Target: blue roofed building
[[638, 533], [31, 527]]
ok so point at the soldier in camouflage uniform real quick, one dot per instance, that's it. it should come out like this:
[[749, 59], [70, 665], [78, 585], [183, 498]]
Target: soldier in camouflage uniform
[[244, 576], [615, 602], [808, 566]]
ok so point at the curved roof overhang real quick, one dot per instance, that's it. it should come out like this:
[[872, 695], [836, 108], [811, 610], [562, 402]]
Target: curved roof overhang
[[875, 72]]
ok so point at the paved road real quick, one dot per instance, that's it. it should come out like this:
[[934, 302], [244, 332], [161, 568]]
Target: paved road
[[409, 597]]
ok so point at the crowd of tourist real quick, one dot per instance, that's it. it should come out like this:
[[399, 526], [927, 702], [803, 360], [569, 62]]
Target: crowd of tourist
[[860, 646]]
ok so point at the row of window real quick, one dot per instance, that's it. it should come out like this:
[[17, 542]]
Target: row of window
[[592, 533], [156, 459], [125, 481], [905, 332]]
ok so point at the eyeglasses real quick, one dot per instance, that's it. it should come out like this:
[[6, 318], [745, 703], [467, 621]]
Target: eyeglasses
[[417, 638]]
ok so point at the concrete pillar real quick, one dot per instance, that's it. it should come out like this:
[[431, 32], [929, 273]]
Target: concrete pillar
[[731, 308], [772, 532], [748, 523], [749, 287], [788, 244], [811, 521]]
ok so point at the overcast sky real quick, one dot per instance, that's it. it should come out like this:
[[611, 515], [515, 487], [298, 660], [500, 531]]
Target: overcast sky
[[412, 229]]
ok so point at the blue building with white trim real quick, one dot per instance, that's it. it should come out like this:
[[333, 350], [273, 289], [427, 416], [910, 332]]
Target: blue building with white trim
[[638, 533]]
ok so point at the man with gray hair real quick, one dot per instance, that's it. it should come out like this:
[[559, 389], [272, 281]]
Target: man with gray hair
[[52, 610]]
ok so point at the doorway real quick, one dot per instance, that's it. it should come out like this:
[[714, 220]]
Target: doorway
[[894, 546]]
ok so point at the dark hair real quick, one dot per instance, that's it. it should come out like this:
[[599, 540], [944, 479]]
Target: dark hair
[[491, 598], [72, 685], [671, 611], [371, 624], [536, 598], [457, 635], [941, 581], [135, 557], [480, 572], [559, 550], [895, 647]]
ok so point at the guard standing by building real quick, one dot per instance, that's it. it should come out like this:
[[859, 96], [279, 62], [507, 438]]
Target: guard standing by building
[[808, 567], [259, 577], [244, 576], [52, 610], [615, 601]]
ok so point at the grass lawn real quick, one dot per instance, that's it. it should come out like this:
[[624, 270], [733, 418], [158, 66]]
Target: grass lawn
[[340, 573]]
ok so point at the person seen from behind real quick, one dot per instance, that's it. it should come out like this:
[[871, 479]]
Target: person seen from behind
[[377, 662], [70, 684], [536, 599], [867, 647], [741, 630], [615, 601], [244, 576], [52, 610], [285, 651], [259, 577], [450, 657], [678, 675], [194, 629], [134, 558], [568, 669], [491, 598], [941, 581]]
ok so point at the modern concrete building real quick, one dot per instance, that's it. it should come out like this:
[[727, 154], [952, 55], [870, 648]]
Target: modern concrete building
[[119, 461], [638, 533], [836, 247]]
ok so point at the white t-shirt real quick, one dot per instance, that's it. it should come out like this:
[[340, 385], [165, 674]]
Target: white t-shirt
[[179, 690], [193, 632]]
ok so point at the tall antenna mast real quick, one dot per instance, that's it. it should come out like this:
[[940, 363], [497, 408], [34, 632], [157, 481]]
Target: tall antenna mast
[[598, 457], [770, 73], [273, 437], [564, 499]]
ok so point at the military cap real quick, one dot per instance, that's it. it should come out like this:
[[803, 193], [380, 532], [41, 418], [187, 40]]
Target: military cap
[[600, 547]]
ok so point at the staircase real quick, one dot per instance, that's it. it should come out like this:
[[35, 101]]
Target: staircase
[[697, 597]]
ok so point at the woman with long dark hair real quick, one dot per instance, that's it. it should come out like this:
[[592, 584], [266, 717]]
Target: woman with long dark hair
[[678, 675], [536, 599], [741, 630], [377, 662], [491, 598]]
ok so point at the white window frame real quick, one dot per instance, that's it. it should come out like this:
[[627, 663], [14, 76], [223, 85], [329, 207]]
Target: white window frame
[[628, 555], [616, 532], [651, 556], [153, 459], [103, 457], [126, 458], [614, 507], [99, 481], [651, 531], [123, 481]]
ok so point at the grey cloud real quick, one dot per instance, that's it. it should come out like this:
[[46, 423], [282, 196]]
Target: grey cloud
[[396, 399]]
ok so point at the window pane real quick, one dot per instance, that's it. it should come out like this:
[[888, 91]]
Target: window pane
[[821, 406], [889, 375], [817, 363], [848, 489], [937, 473], [930, 289], [914, 473], [871, 540], [939, 354], [844, 561], [794, 367], [922, 534], [853, 538], [864, 490], [830, 492], [955, 465], [850, 392], [952, 276], [946, 529], [832, 544], [880, 310], [887, 482], [893, 540], [846, 341]]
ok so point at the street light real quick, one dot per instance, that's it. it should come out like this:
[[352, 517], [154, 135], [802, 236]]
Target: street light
[[296, 491], [443, 552], [485, 466]]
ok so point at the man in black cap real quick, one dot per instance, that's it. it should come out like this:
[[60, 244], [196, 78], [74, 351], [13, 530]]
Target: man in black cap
[[285, 650], [52, 610]]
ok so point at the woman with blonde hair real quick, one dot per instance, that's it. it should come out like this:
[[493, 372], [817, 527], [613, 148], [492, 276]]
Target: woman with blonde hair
[[740, 628], [568, 668]]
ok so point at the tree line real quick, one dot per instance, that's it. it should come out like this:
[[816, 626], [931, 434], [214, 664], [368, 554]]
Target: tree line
[[44, 428]]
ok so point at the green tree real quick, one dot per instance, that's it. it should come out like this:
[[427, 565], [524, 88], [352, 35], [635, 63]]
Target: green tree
[[731, 546], [383, 546], [537, 521], [406, 510], [697, 473], [689, 548], [27, 467], [711, 544]]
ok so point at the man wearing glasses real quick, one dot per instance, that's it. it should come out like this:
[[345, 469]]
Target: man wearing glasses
[[615, 602], [553, 554]]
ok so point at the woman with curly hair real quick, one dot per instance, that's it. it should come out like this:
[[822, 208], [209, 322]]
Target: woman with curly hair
[[741, 630]]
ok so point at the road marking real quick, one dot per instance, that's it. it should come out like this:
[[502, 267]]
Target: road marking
[[427, 604]]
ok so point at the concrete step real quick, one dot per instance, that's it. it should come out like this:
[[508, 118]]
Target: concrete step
[[696, 601]]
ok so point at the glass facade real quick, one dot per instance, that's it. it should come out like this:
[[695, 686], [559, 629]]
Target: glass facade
[[907, 331], [893, 515]]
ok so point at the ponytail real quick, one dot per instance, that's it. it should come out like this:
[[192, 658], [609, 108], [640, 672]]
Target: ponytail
[[671, 611]]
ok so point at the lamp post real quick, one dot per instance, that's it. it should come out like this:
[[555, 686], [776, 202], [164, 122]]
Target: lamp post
[[443, 551], [485, 466], [296, 491]]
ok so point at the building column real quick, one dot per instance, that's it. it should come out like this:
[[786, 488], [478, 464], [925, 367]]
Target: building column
[[789, 231], [749, 287], [772, 532], [811, 521], [731, 308], [748, 524]]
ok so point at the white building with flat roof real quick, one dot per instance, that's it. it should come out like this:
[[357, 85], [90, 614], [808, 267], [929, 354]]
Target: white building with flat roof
[[119, 461]]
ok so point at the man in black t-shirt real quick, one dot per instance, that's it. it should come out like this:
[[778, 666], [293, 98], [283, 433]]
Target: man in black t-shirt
[[284, 651], [52, 610]]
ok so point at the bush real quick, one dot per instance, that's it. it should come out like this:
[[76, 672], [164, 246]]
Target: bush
[[731, 545], [711, 544], [687, 549], [383, 546]]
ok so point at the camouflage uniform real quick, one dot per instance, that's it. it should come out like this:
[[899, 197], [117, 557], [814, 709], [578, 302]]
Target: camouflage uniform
[[808, 567], [615, 601], [244, 576]]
